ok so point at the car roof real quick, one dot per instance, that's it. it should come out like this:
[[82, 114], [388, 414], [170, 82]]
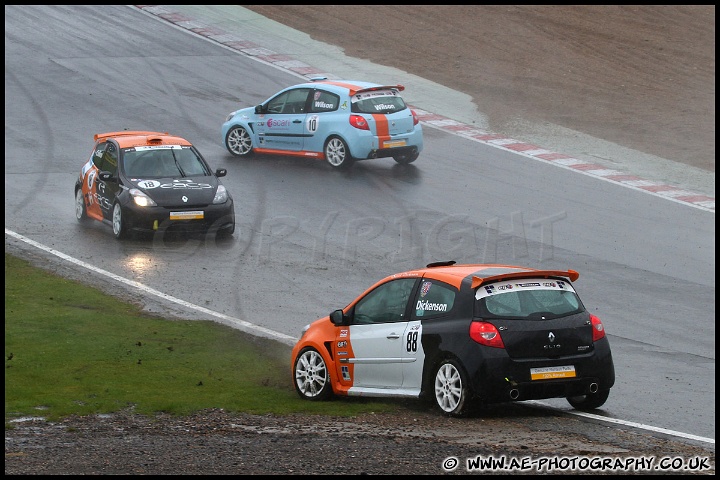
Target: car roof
[[479, 274], [350, 87], [137, 138]]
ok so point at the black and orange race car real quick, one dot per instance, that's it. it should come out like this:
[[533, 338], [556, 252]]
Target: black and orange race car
[[461, 335], [141, 181]]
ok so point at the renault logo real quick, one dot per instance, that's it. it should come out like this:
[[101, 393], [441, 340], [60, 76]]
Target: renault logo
[[185, 199], [552, 345]]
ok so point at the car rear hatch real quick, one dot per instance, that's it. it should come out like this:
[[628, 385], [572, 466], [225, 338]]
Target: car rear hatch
[[537, 317], [386, 111], [535, 338]]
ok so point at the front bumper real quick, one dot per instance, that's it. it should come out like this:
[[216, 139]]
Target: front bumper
[[206, 218]]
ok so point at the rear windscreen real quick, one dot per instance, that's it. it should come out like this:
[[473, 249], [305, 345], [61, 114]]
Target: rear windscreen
[[380, 101], [527, 299]]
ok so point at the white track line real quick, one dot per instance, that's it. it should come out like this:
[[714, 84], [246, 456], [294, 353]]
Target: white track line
[[626, 423], [225, 319]]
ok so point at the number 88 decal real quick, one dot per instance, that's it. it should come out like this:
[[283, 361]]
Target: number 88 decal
[[412, 339]]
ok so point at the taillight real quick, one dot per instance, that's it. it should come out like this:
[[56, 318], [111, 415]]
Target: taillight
[[359, 122], [416, 120], [597, 328], [486, 334]]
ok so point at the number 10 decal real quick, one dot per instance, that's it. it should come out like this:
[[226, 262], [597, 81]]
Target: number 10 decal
[[312, 123]]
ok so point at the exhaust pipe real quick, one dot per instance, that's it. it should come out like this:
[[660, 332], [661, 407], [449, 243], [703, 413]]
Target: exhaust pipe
[[593, 387], [514, 394]]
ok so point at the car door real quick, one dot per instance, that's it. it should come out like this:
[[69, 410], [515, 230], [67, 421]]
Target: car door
[[433, 301], [413, 356], [377, 330], [107, 161], [327, 114], [281, 125], [98, 194]]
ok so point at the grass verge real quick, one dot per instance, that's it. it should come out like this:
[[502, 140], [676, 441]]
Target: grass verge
[[72, 349]]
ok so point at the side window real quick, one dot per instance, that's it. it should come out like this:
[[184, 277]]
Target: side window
[[99, 155], [434, 299], [106, 157], [324, 102], [386, 304], [291, 102], [110, 159]]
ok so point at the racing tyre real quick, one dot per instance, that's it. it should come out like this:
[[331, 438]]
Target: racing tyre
[[407, 159], [80, 210], [225, 232], [450, 388], [312, 379], [118, 224], [588, 402], [238, 141], [337, 153]]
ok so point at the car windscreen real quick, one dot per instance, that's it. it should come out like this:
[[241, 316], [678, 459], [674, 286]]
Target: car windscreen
[[540, 299], [378, 101], [163, 161]]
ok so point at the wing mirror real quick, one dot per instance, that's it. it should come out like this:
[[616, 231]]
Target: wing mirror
[[338, 318], [221, 172]]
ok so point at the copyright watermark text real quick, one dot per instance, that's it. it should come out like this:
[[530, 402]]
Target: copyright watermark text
[[578, 463]]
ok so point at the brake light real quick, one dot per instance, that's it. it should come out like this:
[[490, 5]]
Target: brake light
[[416, 120], [359, 122], [597, 328], [486, 334]]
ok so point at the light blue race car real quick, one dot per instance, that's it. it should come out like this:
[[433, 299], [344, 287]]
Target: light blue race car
[[337, 120]]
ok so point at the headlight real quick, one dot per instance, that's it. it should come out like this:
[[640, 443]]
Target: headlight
[[141, 199], [221, 195], [231, 115], [304, 330]]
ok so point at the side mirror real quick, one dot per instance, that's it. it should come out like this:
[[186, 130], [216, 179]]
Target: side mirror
[[259, 109], [337, 318], [220, 172], [104, 175]]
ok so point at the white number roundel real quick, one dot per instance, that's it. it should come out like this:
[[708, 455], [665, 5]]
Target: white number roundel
[[312, 123]]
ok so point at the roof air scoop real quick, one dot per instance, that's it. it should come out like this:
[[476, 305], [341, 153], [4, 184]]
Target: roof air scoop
[[441, 264]]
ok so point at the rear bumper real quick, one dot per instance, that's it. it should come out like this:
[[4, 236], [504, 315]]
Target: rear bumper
[[502, 379], [393, 152], [369, 146]]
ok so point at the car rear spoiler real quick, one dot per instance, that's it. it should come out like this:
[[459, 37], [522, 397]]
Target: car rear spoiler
[[571, 274], [128, 133], [355, 89]]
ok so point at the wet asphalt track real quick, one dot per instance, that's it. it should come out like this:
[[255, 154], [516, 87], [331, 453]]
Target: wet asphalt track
[[310, 239]]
